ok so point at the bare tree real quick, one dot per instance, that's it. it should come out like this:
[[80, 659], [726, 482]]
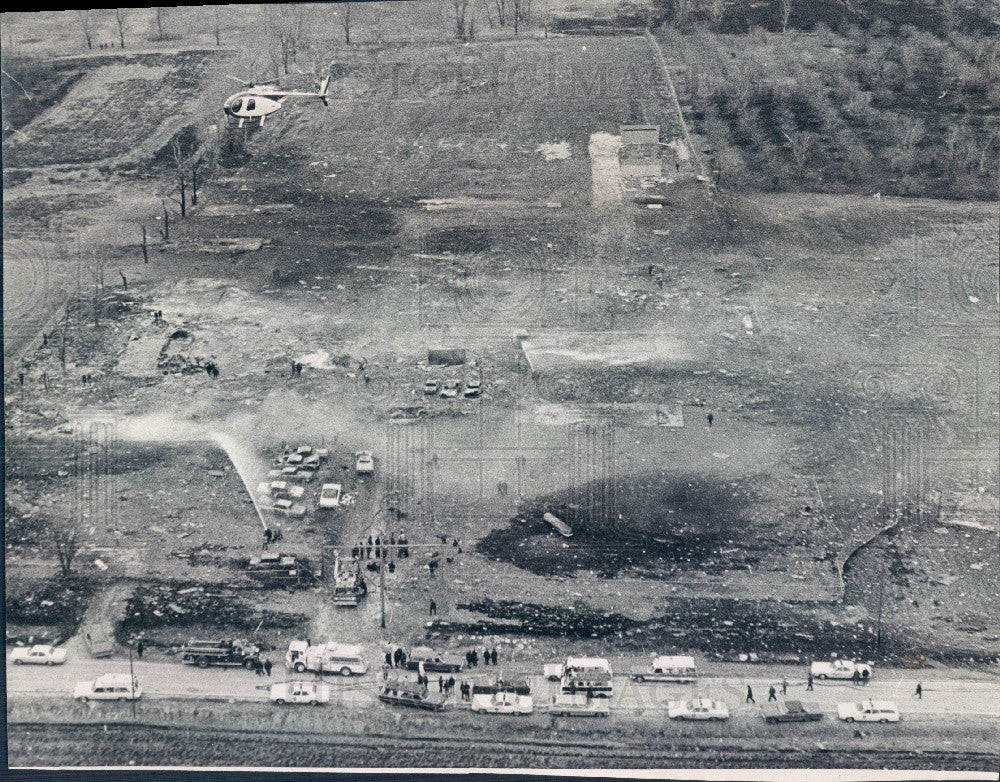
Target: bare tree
[[121, 14], [520, 12], [217, 24], [786, 14], [501, 8], [64, 537], [161, 23], [182, 172], [87, 25], [345, 21], [460, 7]]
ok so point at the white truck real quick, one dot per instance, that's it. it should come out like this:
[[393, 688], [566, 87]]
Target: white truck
[[344, 659], [591, 675], [840, 669], [679, 669]]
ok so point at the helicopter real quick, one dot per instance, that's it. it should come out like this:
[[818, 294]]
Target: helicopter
[[257, 102]]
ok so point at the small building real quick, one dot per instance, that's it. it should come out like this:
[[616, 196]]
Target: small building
[[639, 135]]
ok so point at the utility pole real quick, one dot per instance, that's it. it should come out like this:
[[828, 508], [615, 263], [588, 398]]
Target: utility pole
[[131, 672], [878, 632], [381, 578]]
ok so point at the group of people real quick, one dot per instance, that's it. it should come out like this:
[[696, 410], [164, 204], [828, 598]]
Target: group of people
[[262, 667], [376, 549], [297, 367], [395, 658], [489, 657]]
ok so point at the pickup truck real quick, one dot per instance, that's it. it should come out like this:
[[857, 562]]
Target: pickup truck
[[227, 653], [840, 669], [791, 711]]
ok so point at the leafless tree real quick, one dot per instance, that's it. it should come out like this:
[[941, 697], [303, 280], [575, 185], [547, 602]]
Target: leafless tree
[[501, 9], [520, 13], [182, 174], [64, 537], [286, 26], [460, 8], [345, 21], [217, 24], [786, 14], [161, 23], [87, 25], [121, 15]]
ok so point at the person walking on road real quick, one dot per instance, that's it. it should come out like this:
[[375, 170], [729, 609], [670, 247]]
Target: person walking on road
[[750, 695], [809, 682], [772, 694], [919, 691], [267, 667], [784, 686]]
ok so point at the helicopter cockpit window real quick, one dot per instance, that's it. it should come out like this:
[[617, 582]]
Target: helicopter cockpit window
[[236, 104], [251, 104]]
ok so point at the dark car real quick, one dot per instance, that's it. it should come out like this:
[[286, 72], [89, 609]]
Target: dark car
[[438, 663]]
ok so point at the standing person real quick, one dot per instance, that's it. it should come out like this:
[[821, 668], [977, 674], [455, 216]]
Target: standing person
[[494, 655], [856, 677], [475, 658], [784, 686], [750, 695], [468, 659], [402, 658], [919, 692], [772, 694], [450, 685], [486, 656], [267, 667], [440, 684], [139, 648], [809, 682], [710, 417], [368, 548], [388, 660], [865, 674], [433, 608], [258, 667]]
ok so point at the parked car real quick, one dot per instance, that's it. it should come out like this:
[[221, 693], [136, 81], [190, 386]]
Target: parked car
[[578, 704], [472, 388], [280, 490], [314, 693], [502, 703], [697, 709], [791, 711], [40, 654], [451, 388], [109, 687], [405, 693], [432, 386], [365, 465], [840, 669], [329, 496], [287, 508], [667, 668], [433, 662], [868, 711]]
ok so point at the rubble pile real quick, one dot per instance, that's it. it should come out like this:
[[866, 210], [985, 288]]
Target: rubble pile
[[179, 605], [57, 602], [732, 629]]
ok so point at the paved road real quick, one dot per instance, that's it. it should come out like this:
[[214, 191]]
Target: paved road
[[944, 693]]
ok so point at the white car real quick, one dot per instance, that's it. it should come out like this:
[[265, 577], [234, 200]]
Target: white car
[[314, 693], [868, 711], [287, 508], [432, 386], [329, 496], [697, 709], [840, 669], [365, 465], [450, 389], [109, 687], [280, 490], [472, 388], [502, 703], [40, 654]]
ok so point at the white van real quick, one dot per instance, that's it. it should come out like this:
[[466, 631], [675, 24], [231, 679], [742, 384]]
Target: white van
[[109, 687], [587, 674], [670, 668], [330, 657]]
